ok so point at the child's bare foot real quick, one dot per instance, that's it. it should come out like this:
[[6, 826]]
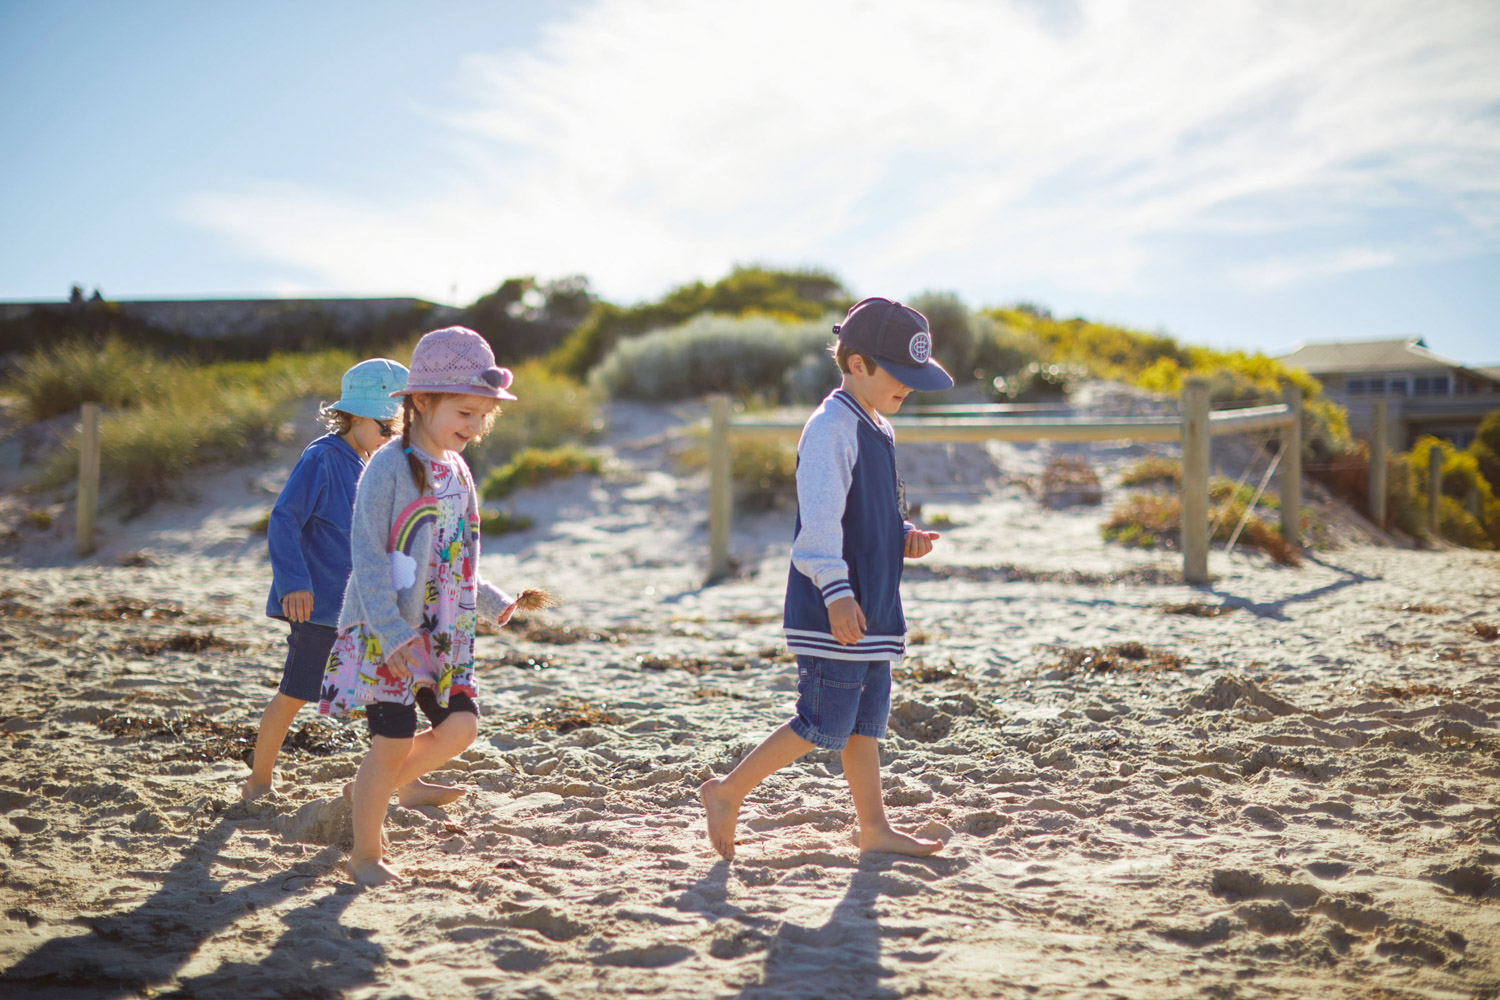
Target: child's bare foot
[[892, 841], [372, 871], [252, 790], [422, 793], [723, 811]]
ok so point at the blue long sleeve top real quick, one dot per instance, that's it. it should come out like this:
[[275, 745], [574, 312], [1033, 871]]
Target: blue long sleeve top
[[308, 534]]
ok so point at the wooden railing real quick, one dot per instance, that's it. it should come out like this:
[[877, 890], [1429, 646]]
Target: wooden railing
[[1194, 429]]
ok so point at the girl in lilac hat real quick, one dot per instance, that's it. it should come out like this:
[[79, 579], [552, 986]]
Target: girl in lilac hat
[[406, 630]]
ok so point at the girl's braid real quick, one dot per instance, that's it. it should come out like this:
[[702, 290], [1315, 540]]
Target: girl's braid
[[418, 469]]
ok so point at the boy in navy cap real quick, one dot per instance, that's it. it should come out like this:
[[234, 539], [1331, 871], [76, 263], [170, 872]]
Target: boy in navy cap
[[843, 607]]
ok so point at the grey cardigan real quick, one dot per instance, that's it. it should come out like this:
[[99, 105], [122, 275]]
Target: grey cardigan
[[390, 541]]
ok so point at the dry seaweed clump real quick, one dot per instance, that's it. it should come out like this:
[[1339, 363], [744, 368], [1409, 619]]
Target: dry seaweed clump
[[1408, 692], [565, 717], [196, 737], [1195, 609], [182, 642], [1133, 657], [922, 673], [691, 664], [1485, 630]]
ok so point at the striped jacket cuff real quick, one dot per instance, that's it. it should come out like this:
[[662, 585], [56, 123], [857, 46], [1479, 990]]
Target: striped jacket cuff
[[834, 589]]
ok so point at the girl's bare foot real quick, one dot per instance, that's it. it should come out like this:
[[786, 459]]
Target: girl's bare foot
[[385, 842], [252, 790], [892, 841], [723, 811], [421, 793], [372, 871]]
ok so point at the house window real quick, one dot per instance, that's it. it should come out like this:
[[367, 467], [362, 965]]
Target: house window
[[1396, 387], [1436, 385], [1356, 386]]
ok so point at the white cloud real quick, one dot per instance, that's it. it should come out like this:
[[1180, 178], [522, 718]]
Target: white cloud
[[952, 144]]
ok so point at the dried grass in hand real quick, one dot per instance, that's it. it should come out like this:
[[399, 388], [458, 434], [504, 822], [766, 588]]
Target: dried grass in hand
[[536, 599]]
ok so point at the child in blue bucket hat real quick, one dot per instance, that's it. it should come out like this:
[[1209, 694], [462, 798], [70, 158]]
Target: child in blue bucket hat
[[308, 539]]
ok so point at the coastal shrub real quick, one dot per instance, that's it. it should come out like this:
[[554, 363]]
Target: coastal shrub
[[1157, 362], [144, 452], [764, 472], [54, 381], [503, 522], [1148, 520], [551, 410], [1069, 480], [1486, 449], [531, 466], [1462, 479], [956, 332], [1153, 470], [712, 353], [1038, 381], [810, 380], [789, 295]]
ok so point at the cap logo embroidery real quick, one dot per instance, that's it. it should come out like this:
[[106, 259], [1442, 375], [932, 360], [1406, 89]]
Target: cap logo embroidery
[[920, 347]]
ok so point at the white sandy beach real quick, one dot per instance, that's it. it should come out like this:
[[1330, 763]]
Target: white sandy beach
[[1298, 796]]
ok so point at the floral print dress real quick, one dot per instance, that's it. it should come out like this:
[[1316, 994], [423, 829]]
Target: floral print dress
[[356, 673]]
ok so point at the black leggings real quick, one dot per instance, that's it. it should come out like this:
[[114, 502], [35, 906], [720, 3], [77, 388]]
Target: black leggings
[[399, 722]]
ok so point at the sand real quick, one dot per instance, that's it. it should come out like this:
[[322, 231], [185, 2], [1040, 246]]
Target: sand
[[1283, 784]]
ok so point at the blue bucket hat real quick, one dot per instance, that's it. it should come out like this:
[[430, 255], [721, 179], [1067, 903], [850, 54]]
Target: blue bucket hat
[[365, 390], [899, 340]]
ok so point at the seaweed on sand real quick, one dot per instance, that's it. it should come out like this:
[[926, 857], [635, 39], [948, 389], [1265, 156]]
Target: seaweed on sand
[[1133, 657]]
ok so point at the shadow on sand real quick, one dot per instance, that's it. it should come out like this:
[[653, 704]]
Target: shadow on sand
[[143, 949]]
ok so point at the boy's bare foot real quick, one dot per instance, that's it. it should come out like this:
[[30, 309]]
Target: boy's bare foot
[[723, 812], [893, 841], [372, 871], [422, 793], [252, 790]]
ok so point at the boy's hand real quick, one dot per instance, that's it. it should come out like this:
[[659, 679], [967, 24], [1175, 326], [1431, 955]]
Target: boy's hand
[[919, 542], [297, 606], [505, 615], [847, 620]]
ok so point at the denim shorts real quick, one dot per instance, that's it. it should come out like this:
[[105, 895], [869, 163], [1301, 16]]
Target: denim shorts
[[307, 649], [837, 699], [399, 722]]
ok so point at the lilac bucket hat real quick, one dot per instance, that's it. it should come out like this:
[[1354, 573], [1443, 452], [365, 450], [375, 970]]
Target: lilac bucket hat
[[456, 359]]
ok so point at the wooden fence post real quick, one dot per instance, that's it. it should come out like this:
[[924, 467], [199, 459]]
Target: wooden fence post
[[1380, 442], [88, 478], [1434, 491], [1196, 439], [1291, 469], [720, 499]]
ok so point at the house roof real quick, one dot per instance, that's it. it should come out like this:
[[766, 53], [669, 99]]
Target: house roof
[[1366, 356]]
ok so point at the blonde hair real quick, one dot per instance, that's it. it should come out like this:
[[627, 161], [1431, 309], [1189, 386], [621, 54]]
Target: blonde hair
[[410, 414], [336, 421]]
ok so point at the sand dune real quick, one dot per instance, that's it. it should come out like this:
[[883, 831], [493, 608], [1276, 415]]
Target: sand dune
[[1281, 785]]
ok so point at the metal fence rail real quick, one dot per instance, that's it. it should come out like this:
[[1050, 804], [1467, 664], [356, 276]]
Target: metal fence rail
[[1195, 429]]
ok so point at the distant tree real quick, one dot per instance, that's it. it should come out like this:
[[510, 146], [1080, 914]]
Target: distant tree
[[523, 317]]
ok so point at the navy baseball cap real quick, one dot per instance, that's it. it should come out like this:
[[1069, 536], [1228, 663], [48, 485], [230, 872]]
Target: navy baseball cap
[[898, 338]]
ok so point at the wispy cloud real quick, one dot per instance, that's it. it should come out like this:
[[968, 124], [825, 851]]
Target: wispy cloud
[[954, 144]]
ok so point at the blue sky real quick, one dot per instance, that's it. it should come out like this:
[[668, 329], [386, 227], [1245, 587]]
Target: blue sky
[[1243, 173]]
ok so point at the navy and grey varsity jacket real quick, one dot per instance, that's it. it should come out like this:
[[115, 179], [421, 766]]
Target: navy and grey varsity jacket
[[850, 537]]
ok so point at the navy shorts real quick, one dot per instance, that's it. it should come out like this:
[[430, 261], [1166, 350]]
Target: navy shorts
[[399, 722], [307, 649], [837, 699]]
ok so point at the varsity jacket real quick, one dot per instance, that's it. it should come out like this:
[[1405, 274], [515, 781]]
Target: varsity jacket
[[850, 539]]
